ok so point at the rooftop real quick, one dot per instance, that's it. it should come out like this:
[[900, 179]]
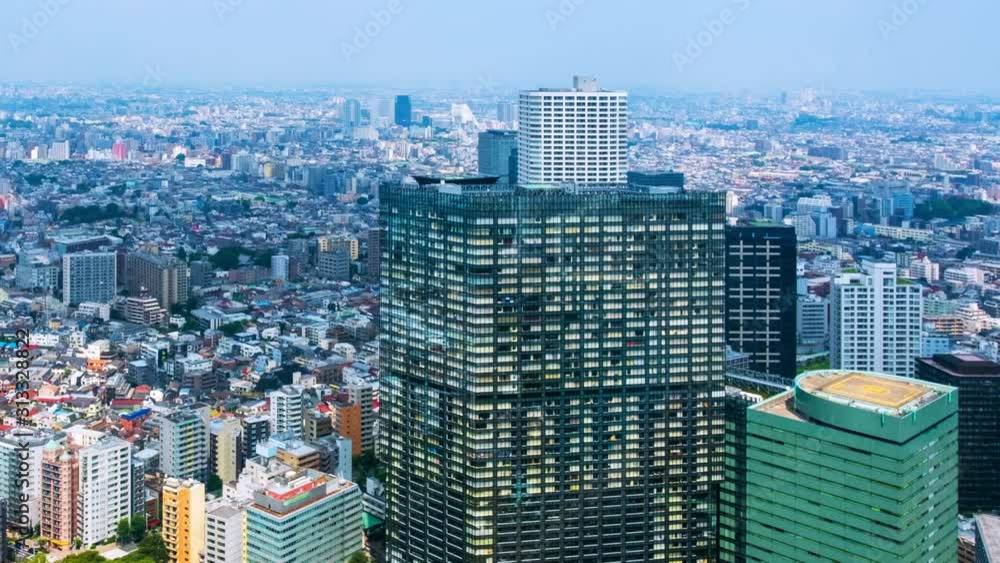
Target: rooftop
[[866, 389], [989, 531]]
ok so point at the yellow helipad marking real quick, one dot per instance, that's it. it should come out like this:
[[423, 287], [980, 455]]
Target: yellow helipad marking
[[875, 390]]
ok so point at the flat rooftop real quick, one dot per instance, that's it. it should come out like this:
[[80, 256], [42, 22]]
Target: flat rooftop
[[989, 532], [867, 389]]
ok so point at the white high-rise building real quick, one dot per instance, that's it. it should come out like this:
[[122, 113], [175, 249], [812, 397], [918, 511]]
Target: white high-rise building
[[876, 320], [105, 489], [279, 267], [923, 269], [285, 410], [89, 276], [577, 135], [225, 538], [59, 151]]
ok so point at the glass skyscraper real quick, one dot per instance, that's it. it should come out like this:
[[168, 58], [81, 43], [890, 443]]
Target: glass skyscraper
[[403, 112], [552, 366]]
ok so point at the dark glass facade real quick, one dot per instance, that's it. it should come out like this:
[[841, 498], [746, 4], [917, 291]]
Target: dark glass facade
[[978, 383], [552, 363], [761, 297], [403, 111]]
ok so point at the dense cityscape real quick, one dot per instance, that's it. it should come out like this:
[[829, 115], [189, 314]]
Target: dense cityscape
[[576, 322]]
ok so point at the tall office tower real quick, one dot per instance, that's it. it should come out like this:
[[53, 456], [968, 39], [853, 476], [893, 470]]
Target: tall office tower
[[184, 444], [225, 540], [256, 429], [225, 448], [17, 448], [732, 497], [283, 520], [498, 155], [374, 256], [285, 410], [535, 428], [89, 276], [60, 479], [404, 111], [507, 112], [761, 295], [279, 267], [978, 383], [987, 538], [352, 114], [183, 519], [165, 277], [363, 395], [876, 321], [853, 466], [577, 135], [105, 488]]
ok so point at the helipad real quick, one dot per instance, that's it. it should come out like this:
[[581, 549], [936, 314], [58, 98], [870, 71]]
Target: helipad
[[881, 391]]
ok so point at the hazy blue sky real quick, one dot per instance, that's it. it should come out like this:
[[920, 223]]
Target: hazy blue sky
[[505, 44]]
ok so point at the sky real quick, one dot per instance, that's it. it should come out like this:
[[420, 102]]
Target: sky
[[719, 45]]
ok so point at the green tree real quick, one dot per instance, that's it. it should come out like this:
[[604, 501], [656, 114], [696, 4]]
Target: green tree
[[39, 557], [359, 557], [85, 557], [124, 531], [231, 329], [227, 258], [137, 526], [152, 547]]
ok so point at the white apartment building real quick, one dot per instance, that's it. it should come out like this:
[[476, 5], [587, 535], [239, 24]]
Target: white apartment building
[[285, 410], [224, 532], [965, 276], [876, 321], [89, 276], [576, 135], [105, 488], [923, 269]]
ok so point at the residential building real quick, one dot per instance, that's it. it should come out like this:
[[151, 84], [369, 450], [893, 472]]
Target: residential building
[[16, 448], [978, 384], [565, 291], [184, 444], [279, 267], [286, 410], [576, 135], [876, 321], [183, 519], [225, 448], [812, 319], [105, 488], [60, 479], [363, 395], [89, 276], [853, 466], [225, 539], [760, 295], [164, 277]]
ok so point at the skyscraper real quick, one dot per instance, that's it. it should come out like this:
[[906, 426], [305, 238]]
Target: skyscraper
[[573, 135], [507, 112], [183, 519], [404, 111], [89, 276], [876, 320], [498, 155], [573, 411], [761, 295], [279, 267], [978, 383], [352, 114], [853, 466]]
